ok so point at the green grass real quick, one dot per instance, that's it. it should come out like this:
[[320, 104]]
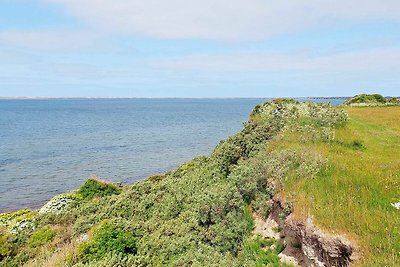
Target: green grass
[[353, 194]]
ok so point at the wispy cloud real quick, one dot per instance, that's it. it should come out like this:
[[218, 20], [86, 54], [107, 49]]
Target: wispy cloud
[[217, 46], [223, 19], [372, 60], [48, 39]]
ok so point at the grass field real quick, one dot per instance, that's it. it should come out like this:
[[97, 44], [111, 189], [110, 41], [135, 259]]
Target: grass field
[[353, 195]]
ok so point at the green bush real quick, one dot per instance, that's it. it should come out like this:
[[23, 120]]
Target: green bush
[[371, 100], [6, 247], [96, 188], [366, 98], [263, 205], [41, 237], [108, 239]]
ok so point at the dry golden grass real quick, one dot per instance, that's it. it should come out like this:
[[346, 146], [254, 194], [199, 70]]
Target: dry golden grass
[[56, 253]]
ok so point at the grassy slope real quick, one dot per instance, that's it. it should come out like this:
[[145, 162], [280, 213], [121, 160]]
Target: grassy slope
[[354, 193]]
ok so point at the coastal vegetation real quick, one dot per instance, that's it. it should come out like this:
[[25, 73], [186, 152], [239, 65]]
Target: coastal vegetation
[[372, 100], [291, 161]]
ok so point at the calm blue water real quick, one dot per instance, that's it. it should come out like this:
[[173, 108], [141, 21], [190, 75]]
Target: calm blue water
[[52, 146]]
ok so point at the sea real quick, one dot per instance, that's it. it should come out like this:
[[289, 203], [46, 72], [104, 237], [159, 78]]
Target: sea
[[51, 146]]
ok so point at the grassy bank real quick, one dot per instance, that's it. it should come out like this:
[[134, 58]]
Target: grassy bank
[[354, 194]]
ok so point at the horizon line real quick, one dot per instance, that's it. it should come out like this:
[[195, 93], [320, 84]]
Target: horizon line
[[173, 97]]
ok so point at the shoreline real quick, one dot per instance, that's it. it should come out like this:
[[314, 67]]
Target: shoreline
[[162, 98]]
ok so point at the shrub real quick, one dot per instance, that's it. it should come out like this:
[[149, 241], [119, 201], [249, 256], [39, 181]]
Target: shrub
[[41, 237], [226, 154], [366, 98], [108, 239], [58, 204], [371, 100], [394, 100], [263, 205], [6, 247], [94, 187]]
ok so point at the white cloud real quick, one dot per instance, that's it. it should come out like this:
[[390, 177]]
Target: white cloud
[[222, 19], [48, 40], [373, 60]]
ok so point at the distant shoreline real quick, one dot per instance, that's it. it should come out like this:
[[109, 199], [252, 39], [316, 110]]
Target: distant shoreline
[[156, 98]]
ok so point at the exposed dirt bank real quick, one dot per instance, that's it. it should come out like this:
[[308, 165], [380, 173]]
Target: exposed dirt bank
[[305, 244]]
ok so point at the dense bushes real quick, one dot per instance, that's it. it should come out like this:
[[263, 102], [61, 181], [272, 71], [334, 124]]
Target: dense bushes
[[94, 187], [108, 239], [371, 100], [6, 247], [199, 214]]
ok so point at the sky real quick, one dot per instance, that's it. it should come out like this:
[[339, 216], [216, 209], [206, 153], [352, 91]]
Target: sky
[[207, 48]]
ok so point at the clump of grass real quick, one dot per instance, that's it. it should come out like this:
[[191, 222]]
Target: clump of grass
[[357, 145], [248, 218], [354, 144], [256, 252], [279, 246]]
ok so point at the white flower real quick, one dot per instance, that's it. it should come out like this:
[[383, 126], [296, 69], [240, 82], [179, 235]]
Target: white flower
[[396, 205], [57, 204]]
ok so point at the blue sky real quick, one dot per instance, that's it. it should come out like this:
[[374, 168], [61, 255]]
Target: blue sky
[[208, 48]]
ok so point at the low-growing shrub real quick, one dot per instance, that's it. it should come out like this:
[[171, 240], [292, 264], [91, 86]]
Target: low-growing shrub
[[156, 177], [94, 187], [19, 222], [58, 204], [371, 100], [287, 209], [41, 237], [263, 205], [6, 247], [107, 239]]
